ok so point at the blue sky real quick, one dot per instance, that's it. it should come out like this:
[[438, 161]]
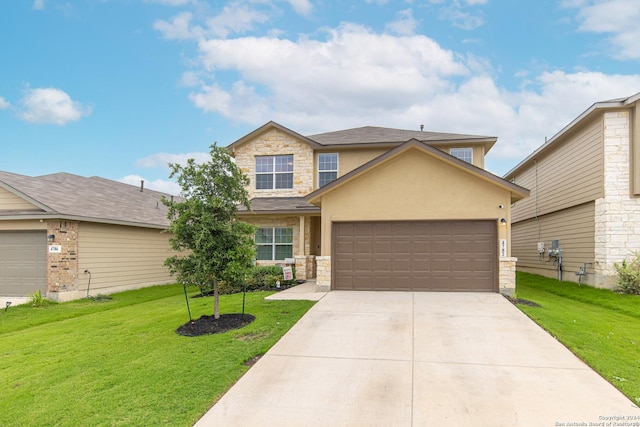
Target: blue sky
[[118, 88]]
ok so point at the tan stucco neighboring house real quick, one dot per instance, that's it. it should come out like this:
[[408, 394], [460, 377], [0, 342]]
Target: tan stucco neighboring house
[[63, 233], [376, 208], [585, 183]]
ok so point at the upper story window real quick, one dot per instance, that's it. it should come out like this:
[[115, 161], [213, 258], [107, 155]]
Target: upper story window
[[465, 154], [327, 168], [274, 172]]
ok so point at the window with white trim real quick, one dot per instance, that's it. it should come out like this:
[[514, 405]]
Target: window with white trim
[[274, 243], [327, 168], [465, 154], [274, 172]]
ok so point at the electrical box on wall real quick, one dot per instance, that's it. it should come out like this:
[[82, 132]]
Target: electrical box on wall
[[540, 247]]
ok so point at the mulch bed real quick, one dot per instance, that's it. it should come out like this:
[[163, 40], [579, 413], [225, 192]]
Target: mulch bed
[[518, 301], [207, 325]]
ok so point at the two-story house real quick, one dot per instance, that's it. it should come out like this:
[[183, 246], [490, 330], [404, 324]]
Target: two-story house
[[380, 209], [585, 183]]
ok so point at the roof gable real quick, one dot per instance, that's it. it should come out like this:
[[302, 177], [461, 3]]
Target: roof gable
[[517, 192], [559, 137], [265, 128]]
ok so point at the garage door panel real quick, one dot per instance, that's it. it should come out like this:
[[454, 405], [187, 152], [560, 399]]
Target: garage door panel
[[416, 255], [23, 260]]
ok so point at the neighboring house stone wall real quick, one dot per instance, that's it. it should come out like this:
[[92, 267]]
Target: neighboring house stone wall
[[62, 267], [617, 215], [273, 143]]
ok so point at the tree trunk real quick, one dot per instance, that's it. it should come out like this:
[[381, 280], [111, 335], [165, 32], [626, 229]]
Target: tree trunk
[[216, 302]]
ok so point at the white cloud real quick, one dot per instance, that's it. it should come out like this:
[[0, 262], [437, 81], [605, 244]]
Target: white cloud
[[4, 104], [163, 159], [405, 24], [302, 7], [50, 106], [352, 70], [163, 186], [619, 18], [171, 2], [38, 5], [234, 18], [179, 27]]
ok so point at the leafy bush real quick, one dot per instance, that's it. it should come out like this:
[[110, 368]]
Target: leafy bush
[[259, 278], [629, 275]]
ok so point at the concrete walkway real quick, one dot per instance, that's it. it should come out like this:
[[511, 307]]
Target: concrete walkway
[[418, 359]]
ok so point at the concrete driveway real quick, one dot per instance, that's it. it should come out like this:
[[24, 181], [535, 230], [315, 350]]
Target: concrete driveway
[[419, 359]]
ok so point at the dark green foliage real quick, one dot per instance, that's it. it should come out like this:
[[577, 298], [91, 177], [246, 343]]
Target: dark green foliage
[[259, 278], [214, 246]]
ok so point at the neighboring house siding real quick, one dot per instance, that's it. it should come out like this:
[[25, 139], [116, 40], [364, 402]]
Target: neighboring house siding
[[573, 227], [20, 225], [272, 143], [121, 257], [570, 175], [9, 202]]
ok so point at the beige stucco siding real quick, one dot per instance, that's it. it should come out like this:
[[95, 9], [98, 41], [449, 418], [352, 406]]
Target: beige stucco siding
[[9, 202], [570, 175], [121, 257], [414, 185], [575, 230]]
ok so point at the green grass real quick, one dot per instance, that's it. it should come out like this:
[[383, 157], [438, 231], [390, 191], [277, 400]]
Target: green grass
[[120, 362], [600, 326]]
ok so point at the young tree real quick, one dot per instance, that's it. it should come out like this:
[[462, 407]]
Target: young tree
[[214, 245]]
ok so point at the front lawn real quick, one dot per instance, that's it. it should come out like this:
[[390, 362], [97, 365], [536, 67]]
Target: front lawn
[[600, 326], [120, 362]]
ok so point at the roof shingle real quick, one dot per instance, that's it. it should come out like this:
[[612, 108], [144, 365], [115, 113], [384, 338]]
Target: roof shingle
[[97, 199]]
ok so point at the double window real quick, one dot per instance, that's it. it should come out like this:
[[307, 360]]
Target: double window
[[327, 168], [274, 243], [465, 154], [274, 172]]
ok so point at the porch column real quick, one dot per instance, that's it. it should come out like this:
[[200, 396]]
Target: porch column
[[301, 238]]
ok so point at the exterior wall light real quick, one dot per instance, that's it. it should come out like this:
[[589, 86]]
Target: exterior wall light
[[503, 221], [51, 238]]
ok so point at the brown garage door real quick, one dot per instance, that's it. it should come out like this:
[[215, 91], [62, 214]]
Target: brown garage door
[[23, 262], [415, 256]]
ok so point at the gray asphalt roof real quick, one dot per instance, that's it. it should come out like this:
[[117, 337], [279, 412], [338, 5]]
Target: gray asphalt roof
[[94, 198], [373, 134], [297, 205]]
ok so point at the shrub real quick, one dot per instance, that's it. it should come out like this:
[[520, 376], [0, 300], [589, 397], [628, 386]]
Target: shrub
[[629, 275], [260, 278]]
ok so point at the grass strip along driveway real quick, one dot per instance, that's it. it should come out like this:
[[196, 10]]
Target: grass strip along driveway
[[120, 362], [600, 326]]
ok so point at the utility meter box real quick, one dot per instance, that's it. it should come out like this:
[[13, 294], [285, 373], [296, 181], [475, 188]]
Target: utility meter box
[[540, 247]]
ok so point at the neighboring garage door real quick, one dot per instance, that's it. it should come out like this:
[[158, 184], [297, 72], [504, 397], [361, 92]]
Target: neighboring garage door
[[23, 262], [415, 256]]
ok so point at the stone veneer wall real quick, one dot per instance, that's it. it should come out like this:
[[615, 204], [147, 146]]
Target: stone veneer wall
[[62, 268], [272, 143], [507, 275], [323, 273], [617, 215]]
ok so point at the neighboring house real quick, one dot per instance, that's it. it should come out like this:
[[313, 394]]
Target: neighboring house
[[585, 183], [380, 209], [62, 233]]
